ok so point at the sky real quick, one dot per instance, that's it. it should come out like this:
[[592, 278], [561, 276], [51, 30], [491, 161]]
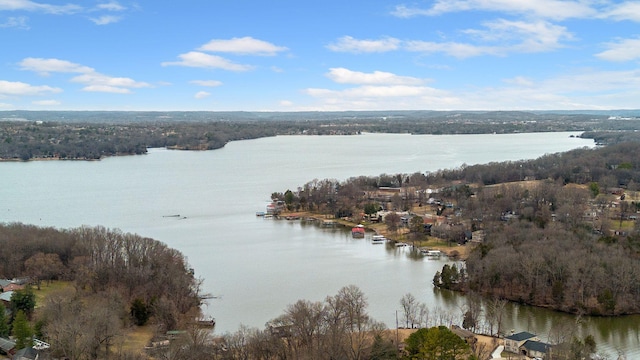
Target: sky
[[281, 55]]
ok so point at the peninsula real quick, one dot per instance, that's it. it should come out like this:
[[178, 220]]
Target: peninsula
[[560, 231]]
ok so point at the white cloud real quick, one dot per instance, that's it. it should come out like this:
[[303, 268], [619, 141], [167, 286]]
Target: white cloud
[[106, 89], [350, 44], [616, 89], [106, 19], [243, 46], [202, 60], [551, 9], [346, 76], [519, 81], [93, 81], [455, 49], [522, 36], [202, 95], [628, 10], [285, 103], [382, 98], [46, 102], [46, 66], [623, 50], [5, 106], [96, 82], [376, 90], [111, 6], [19, 22], [20, 88], [498, 38], [26, 5], [210, 83]]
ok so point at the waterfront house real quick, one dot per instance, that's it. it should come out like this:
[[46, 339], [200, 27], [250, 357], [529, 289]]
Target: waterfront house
[[534, 349], [513, 342], [466, 335]]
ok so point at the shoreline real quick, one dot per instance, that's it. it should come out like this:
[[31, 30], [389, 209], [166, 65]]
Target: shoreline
[[456, 252]]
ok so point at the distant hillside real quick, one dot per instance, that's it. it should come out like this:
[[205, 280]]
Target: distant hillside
[[91, 135]]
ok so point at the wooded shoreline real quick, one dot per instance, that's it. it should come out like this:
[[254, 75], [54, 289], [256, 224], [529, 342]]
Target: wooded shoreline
[[559, 232]]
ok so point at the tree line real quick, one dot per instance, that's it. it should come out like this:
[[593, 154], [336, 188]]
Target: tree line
[[119, 279], [569, 240], [91, 135]]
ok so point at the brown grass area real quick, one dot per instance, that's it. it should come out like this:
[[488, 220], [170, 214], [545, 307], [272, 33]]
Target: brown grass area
[[47, 288], [137, 338], [484, 346]]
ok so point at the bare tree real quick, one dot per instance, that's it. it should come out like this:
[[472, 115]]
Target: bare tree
[[410, 308]]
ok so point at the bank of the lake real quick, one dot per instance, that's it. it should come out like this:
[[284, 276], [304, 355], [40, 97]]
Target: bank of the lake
[[256, 267], [451, 250]]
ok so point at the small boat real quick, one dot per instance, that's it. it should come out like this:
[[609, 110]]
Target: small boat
[[260, 213], [432, 253], [401, 244], [206, 322], [378, 239], [357, 231]]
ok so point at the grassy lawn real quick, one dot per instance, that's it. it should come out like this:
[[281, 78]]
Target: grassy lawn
[[48, 288], [137, 338]]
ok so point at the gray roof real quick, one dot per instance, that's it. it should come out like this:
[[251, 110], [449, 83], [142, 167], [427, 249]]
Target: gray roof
[[26, 353], [521, 336], [6, 296], [6, 344], [4, 282], [536, 346]]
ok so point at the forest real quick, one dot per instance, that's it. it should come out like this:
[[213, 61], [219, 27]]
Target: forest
[[92, 135], [118, 280], [560, 231]]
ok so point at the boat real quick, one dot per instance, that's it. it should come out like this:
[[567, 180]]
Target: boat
[[357, 231], [378, 239], [432, 253], [206, 322]]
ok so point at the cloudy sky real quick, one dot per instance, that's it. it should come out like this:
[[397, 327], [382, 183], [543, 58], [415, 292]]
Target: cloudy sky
[[327, 55]]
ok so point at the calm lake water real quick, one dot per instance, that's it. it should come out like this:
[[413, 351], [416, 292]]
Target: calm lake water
[[256, 267]]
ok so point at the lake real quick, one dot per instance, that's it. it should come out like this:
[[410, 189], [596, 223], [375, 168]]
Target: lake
[[254, 266]]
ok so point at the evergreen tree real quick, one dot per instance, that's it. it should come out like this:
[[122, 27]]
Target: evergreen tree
[[24, 300], [4, 324], [22, 332]]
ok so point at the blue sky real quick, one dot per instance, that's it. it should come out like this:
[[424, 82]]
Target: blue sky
[[319, 56]]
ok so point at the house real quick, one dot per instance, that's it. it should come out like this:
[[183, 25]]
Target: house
[[12, 287], [5, 298], [466, 335], [534, 349], [7, 346], [3, 284], [28, 353], [513, 342]]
